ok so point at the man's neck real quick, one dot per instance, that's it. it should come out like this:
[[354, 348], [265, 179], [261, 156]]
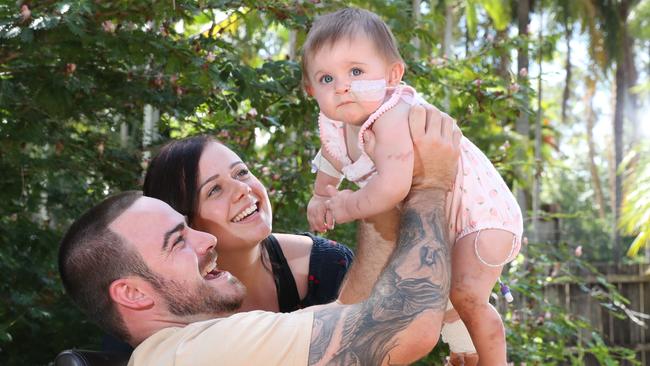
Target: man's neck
[[144, 328]]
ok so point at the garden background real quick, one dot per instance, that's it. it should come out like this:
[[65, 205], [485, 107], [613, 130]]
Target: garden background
[[556, 93]]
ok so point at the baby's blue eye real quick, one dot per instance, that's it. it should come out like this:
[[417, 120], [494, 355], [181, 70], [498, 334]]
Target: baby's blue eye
[[326, 79], [356, 72]]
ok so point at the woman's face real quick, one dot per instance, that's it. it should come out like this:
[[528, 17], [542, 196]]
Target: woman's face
[[232, 204]]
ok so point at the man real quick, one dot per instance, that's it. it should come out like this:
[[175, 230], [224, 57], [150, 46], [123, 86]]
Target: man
[[135, 267]]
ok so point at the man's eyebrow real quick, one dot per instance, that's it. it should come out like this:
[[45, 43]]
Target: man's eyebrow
[[168, 234], [217, 175]]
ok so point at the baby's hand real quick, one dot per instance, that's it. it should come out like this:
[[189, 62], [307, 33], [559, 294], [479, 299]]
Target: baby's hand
[[337, 205], [317, 214]]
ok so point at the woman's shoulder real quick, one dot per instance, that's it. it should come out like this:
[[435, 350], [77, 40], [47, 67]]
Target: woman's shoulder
[[294, 246], [318, 264], [328, 266]]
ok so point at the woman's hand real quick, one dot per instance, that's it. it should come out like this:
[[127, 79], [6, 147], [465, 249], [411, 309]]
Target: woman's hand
[[317, 214], [337, 206]]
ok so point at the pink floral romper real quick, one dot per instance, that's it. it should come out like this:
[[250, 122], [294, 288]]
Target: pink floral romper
[[479, 200]]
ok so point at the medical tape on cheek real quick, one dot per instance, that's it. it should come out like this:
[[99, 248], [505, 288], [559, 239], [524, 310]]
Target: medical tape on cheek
[[368, 90]]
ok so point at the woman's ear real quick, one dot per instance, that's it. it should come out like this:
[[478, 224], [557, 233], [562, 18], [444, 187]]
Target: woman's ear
[[133, 293], [395, 73]]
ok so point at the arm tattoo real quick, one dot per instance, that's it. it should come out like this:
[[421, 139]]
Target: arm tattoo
[[324, 325], [416, 279]]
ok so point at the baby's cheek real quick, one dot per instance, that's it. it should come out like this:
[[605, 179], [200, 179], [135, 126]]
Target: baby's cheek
[[370, 107]]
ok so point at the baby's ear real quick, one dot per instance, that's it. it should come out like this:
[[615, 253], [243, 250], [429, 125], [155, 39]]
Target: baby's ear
[[395, 73], [308, 89]]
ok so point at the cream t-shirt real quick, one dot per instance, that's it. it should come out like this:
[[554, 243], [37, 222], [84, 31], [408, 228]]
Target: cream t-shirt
[[251, 338]]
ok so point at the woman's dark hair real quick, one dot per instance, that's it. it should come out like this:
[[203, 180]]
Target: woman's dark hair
[[173, 173]]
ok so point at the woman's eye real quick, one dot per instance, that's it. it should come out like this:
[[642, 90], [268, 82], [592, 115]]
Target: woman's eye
[[356, 71], [326, 79], [214, 190], [243, 173]]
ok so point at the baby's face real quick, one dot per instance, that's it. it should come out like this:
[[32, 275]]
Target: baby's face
[[334, 67]]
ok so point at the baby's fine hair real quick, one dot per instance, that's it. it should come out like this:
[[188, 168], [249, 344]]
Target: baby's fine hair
[[345, 24]]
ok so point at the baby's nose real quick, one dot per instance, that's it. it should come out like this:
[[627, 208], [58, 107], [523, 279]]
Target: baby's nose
[[342, 87]]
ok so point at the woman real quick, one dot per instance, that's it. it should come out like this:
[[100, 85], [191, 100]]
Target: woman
[[207, 182]]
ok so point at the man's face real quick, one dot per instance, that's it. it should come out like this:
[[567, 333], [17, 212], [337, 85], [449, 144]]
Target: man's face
[[183, 261]]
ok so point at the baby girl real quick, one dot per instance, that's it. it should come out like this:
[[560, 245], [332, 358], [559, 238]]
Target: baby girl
[[352, 67]]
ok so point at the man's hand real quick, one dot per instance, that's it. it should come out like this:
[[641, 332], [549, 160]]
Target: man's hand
[[436, 142]]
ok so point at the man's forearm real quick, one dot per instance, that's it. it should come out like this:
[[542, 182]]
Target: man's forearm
[[407, 303], [376, 238]]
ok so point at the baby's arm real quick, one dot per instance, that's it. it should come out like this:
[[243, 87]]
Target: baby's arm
[[393, 160], [316, 210]]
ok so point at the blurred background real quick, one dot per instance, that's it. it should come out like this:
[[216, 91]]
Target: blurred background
[[556, 93]]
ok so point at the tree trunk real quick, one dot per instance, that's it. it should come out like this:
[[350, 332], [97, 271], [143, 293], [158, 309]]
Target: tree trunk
[[124, 135], [150, 118], [293, 40], [447, 42], [503, 67], [538, 143], [449, 24], [467, 39], [617, 190], [623, 67], [631, 99], [523, 125], [415, 6], [567, 82], [593, 168]]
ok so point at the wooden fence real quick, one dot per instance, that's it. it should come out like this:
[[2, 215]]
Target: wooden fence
[[633, 282]]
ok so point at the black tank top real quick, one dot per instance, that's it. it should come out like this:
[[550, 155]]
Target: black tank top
[[285, 283]]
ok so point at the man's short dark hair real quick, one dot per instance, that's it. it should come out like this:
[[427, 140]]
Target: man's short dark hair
[[91, 257]]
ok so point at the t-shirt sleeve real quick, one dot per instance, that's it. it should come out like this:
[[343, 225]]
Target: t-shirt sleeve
[[328, 264]]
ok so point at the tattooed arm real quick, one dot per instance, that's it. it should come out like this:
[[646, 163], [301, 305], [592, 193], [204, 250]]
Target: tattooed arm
[[377, 235], [400, 322]]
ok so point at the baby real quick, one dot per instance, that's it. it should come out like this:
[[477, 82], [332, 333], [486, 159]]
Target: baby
[[352, 67]]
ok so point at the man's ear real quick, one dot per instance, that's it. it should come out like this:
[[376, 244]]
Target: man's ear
[[133, 293], [395, 73]]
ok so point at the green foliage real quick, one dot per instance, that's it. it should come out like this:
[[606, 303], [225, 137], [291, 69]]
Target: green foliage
[[635, 212], [640, 20], [569, 185], [540, 329]]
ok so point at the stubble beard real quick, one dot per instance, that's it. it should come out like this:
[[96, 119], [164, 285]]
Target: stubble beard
[[201, 299]]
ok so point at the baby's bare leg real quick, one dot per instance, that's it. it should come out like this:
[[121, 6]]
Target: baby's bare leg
[[455, 334], [471, 284]]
